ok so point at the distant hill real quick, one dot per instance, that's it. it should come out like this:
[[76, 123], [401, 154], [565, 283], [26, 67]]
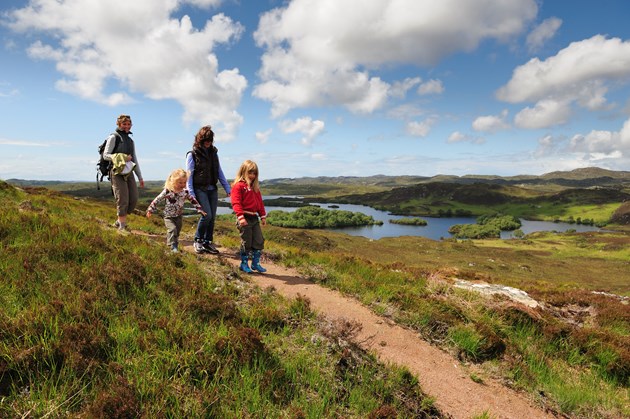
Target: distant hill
[[579, 178], [588, 173], [376, 180]]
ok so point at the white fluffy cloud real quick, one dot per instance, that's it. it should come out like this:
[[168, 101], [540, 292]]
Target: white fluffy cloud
[[420, 129], [431, 87], [460, 137], [610, 143], [322, 51], [546, 113], [144, 48], [542, 33], [306, 126], [491, 123], [579, 74]]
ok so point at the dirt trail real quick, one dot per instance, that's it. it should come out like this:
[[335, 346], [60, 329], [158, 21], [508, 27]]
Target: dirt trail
[[439, 374]]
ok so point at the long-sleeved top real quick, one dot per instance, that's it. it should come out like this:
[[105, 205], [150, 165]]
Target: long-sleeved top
[[175, 201], [190, 167], [245, 200], [126, 146]]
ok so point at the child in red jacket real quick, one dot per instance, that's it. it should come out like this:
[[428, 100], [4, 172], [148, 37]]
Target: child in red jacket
[[250, 212]]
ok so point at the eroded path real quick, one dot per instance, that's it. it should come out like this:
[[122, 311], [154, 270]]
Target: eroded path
[[439, 374]]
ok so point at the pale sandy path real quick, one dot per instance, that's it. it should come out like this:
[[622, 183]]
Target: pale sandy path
[[439, 374]]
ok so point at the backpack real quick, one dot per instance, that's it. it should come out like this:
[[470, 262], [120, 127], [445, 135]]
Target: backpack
[[103, 167]]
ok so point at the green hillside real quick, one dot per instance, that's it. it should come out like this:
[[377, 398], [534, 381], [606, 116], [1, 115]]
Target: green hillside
[[98, 324]]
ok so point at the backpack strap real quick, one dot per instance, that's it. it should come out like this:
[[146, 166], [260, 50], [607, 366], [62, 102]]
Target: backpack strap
[[117, 141]]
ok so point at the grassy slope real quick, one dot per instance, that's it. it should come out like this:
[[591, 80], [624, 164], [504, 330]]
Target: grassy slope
[[575, 350], [99, 324]]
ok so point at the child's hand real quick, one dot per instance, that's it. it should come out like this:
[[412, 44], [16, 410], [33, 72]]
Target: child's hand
[[148, 214], [203, 213], [242, 222], [263, 221]]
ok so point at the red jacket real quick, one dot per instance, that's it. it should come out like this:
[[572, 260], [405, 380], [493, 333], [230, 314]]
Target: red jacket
[[246, 201]]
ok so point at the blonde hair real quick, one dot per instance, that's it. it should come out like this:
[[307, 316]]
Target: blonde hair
[[246, 167], [174, 177], [122, 118]]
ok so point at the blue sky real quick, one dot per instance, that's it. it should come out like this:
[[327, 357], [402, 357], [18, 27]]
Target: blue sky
[[317, 87]]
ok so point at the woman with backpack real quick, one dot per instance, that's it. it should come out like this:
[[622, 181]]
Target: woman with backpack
[[121, 151], [204, 171]]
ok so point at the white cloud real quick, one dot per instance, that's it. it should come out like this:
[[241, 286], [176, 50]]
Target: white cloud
[[608, 143], [456, 137], [20, 143], [431, 87], [420, 129], [579, 74], [491, 123], [142, 47], [399, 89], [546, 113], [405, 111], [8, 91], [311, 129], [263, 136], [321, 52], [460, 137], [542, 33], [548, 145]]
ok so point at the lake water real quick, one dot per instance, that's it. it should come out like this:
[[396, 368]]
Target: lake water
[[436, 228]]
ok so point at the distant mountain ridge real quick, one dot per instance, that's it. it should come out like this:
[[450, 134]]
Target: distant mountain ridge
[[582, 177]]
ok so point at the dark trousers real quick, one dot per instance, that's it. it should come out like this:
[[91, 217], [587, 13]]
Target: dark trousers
[[251, 234]]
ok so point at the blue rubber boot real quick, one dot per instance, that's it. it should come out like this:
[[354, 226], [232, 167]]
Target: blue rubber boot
[[256, 262], [244, 263]]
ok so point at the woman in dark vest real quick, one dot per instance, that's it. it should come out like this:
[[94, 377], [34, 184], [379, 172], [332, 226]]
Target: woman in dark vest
[[204, 171]]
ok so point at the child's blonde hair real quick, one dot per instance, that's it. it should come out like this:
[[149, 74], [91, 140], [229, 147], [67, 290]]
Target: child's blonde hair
[[246, 167], [173, 177]]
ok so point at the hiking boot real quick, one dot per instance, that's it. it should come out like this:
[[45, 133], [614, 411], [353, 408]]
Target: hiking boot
[[210, 248], [116, 224], [174, 249], [198, 246]]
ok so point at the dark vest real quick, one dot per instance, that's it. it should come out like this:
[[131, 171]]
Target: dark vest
[[126, 145], [206, 171]]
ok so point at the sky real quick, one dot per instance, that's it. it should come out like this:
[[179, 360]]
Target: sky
[[317, 87]]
